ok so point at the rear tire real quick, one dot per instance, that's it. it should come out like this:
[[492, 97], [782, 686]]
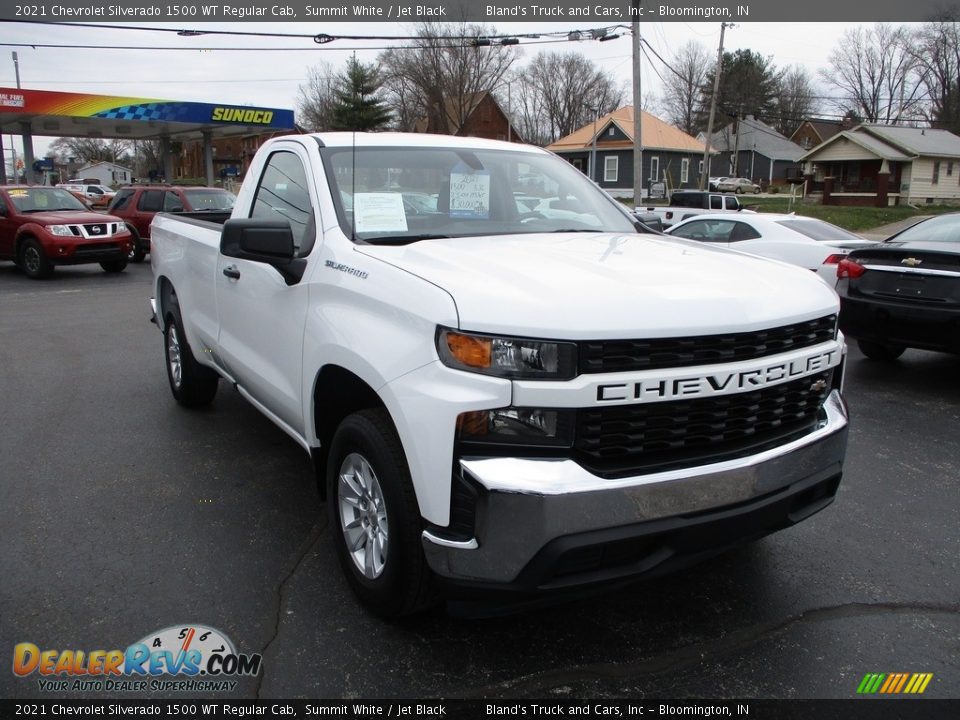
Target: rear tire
[[32, 260], [879, 351], [192, 384], [375, 521]]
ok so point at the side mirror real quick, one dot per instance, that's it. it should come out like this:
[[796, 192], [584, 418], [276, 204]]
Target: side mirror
[[266, 241]]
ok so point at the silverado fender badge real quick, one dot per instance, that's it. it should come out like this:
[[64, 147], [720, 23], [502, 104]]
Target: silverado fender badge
[[347, 269], [912, 262]]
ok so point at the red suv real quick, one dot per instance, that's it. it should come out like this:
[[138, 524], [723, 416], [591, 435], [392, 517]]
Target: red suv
[[137, 204], [41, 227]]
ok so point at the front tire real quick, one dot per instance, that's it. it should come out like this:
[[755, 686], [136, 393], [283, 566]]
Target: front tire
[[375, 521], [880, 351], [192, 384], [114, 266], [32, 260], [136, 255]]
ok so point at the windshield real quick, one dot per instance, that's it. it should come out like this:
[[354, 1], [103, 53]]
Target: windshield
[[406, 194], [210, 199], [945, 228], [39, 199], [818, 230]]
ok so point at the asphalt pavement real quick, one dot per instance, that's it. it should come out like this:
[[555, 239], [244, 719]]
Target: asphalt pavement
[[123, 514]]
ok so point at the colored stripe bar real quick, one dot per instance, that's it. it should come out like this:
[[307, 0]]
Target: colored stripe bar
[[914, 683], [901, 682], [926, 681], [891, 681], [875, 685], [865, 683]]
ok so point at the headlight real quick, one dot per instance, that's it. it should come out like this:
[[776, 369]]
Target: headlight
[[507, 357], [517, 426], [59, 230]]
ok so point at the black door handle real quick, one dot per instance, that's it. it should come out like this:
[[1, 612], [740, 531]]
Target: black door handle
[[231, 272]]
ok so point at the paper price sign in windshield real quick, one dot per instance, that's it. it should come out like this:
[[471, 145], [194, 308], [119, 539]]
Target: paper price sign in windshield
[[470, 194]]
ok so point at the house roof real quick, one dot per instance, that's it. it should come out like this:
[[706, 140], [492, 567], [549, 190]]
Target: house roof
[[916, 141], [825, 129], [896, 143], [454, 107], [103, 163], [759, 137], [655, 134]]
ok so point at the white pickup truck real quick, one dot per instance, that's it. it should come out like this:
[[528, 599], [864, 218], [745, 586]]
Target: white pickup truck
[[687, 203], [498, 398]]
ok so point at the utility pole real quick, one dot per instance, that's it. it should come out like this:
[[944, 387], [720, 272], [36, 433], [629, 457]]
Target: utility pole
[[713, 108], [637, 111]]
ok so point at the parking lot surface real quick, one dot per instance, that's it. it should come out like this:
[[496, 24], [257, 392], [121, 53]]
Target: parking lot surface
[[123, 514]]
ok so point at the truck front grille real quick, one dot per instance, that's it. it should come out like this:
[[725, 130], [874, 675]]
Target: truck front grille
[[607, 356], [626, 440], [96, 249]]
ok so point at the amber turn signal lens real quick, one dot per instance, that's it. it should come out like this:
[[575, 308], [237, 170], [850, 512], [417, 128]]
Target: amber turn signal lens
[[470, 350]]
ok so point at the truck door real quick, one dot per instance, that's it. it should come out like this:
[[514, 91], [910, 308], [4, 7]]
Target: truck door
[[261, 317]]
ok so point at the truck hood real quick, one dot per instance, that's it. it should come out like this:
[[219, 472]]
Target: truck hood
[[606, 285], [69, 217]]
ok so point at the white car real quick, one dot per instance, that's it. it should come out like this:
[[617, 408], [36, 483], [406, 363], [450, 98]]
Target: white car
[[808, 242]]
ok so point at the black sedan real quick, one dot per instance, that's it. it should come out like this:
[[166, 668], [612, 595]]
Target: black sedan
[[905, 292]]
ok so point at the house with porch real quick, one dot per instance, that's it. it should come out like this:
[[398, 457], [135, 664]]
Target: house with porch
[[603, 150], [881, 165]]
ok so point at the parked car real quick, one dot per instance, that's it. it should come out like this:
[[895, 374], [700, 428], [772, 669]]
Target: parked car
[[137, 204], [713, 182], [904, 292], [98, 195], [738, 185], [814, 244], [41, 227]]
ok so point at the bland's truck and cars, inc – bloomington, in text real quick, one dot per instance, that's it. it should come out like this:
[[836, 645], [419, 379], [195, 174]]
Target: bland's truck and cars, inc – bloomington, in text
[[502, 401]]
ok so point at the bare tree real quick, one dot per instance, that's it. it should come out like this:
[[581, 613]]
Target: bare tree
[[682, 89], [316, 97], [936, 50], [525, 106], [796, 99], [91, 150], [437, 78], [877, 72], [568, 91]]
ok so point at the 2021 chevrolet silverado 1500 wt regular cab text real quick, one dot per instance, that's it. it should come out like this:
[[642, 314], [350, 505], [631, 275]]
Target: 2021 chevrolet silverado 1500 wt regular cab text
[[498, 398]]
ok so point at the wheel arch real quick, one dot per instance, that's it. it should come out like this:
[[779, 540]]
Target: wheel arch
[[337, 393]]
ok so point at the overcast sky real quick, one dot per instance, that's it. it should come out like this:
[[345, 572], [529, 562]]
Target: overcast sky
[[259, 76]]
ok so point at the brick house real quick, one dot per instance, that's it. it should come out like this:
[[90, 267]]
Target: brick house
[[478, 115]]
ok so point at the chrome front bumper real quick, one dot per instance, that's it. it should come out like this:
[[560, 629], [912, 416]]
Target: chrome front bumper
[[528, 503]]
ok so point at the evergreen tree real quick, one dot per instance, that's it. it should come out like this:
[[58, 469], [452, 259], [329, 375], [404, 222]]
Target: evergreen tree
[[356, 104]]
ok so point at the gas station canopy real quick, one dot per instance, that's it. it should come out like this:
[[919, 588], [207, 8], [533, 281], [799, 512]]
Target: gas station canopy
[[66, 114]]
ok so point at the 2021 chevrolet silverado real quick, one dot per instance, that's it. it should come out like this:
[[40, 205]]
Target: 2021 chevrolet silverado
[[495, 397]]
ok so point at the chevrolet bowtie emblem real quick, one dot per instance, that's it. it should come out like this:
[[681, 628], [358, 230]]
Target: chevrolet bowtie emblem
[[912, 262]]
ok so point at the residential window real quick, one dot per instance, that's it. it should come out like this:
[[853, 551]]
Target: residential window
[[936, 172], [949, 168], [611, 168], [654, 167], [685, 170], [578, 164], [612, 132], [700, 167]]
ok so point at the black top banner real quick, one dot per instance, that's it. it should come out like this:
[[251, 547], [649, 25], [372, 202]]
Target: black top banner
[[545, 709], [486, 11]]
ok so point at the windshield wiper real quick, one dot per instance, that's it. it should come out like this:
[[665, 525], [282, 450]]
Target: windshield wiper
[[572, 230], [402, 239]]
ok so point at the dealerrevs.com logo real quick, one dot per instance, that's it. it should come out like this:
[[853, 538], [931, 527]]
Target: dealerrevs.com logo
[[187, 658]]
